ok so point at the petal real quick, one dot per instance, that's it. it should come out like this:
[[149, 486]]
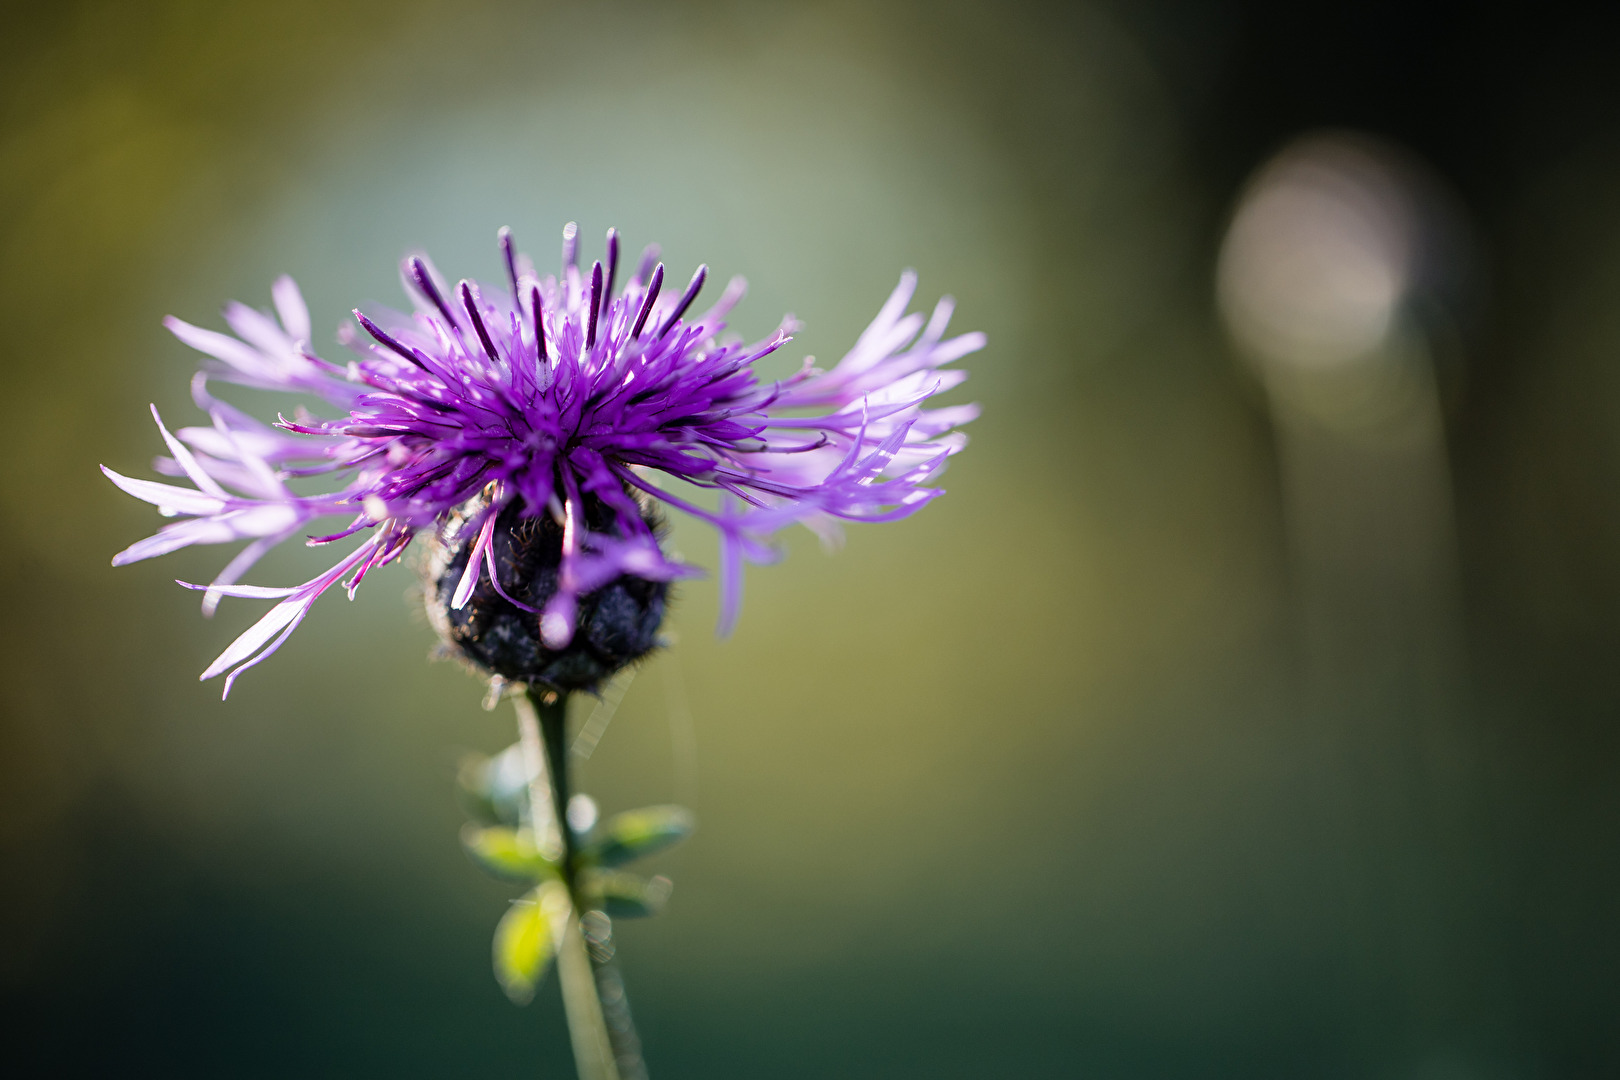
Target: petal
[[230, 680], [276, 620], [557, 621], [174, 537], [239, 565], [291, 307], [258, 329], [179, 499], [187, 462], [475, 560], [238, 355], [246, 592]]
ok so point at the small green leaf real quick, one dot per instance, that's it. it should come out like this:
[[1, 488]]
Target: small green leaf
[[624, 895], [507, 853], [524, 943], [636, 833], [495, 790]]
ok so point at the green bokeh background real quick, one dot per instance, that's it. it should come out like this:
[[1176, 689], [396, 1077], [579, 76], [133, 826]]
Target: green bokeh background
[[1021, 786]]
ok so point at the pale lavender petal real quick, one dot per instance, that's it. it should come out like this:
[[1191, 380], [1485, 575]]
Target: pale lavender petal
[[257, 635], [244, 358], [557, 620], [177, 499], [731, 583], [264, 654], [183, 457], [291, 308], [241, 564], [475, 561], [257, 329], [245, 592]]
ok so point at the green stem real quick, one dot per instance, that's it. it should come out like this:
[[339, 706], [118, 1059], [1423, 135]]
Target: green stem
[[543, 735], [554, 739]]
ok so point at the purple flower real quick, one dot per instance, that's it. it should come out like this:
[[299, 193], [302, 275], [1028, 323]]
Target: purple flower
[[558, 397]]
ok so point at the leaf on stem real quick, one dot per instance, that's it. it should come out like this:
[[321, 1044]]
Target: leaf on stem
[[637, 833], [526, 940], [623, 895], [509, 854], [495, 790]]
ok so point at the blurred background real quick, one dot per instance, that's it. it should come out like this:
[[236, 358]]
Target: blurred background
[[1248, 708]]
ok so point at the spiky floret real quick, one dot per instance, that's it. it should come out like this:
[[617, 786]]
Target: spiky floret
[[545, 396]]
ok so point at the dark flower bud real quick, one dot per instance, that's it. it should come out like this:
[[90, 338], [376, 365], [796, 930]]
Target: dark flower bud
[[617, 624]]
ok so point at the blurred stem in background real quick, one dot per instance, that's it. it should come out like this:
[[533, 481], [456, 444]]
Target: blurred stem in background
[[1341, 270], [599, 1050]]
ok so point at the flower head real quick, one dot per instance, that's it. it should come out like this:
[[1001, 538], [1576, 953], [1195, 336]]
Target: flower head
[[555, 409]]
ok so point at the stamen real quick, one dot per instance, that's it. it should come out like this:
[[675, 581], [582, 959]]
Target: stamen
[[648, 300], [382, 337], [468, 302], [571, 244], [424, 281], [612, 262], [538, 315], [509, 256], [649, 256], [686, 299], [596, 303]]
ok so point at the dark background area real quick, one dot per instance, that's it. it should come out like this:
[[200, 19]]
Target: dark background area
[[1021, 786]]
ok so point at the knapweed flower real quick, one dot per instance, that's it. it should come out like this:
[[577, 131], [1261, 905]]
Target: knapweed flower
[[533, 427]]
